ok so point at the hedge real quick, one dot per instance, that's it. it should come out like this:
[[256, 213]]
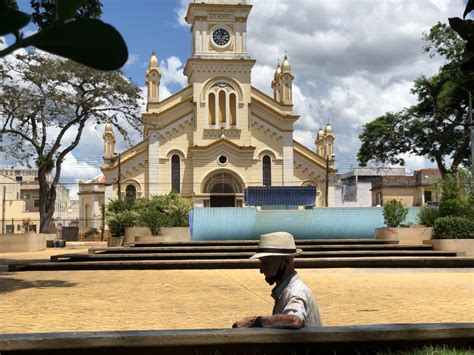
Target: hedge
[[453, 228]]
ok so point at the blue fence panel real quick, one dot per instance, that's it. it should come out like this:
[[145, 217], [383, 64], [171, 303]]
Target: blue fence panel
[[224, 223], [318, 223]]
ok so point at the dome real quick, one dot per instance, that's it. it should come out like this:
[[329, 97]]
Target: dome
[[277, 71], [328, 129], [320, 134], [108, 127], [285, 67], [153, 61]]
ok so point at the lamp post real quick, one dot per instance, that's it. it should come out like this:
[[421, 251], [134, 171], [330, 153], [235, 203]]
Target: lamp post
[[329, 159]]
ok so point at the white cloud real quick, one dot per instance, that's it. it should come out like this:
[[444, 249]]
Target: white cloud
[[75, 170], [352, 61], [132, 59]]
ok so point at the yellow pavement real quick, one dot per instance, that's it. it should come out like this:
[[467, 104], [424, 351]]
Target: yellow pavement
[[105, 300]]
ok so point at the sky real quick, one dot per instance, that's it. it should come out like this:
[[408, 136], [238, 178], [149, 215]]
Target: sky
[[353, 61]]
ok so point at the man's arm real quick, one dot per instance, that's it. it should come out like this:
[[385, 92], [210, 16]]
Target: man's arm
[[282, 321]]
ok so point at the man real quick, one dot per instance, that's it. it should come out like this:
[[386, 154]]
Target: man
[[295, 306]]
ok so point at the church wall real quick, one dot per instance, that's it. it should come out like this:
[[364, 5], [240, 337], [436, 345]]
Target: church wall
[[307, 173], [176, 142]]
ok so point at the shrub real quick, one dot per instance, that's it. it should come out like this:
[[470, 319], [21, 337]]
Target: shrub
[[427, 216], [152, 218], [456, 195], [118, 221], [394, 213], [91, 232], [452, 227]]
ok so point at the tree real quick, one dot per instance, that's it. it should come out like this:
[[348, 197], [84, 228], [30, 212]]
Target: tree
[[45, 99], [66, 29], [44, 11], [438, 126]]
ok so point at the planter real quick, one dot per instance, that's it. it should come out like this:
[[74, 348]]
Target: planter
[[115, 241], [148, 238], [464, 247], [407, 236], [132, 232], [26, 242]]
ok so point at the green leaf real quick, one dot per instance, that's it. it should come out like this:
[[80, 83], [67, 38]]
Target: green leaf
[[66, 9], [12, 20], [87, 41], [464, 29], [468, 65]]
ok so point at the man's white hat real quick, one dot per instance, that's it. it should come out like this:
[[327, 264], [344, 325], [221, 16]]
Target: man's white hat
[[276, 244]]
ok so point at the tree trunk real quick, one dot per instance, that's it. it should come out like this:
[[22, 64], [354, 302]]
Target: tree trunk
[[47, 198]]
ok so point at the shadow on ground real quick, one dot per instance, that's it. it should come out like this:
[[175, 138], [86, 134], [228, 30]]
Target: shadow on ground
[[10, 284]]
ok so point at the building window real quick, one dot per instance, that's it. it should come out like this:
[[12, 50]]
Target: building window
[[130, 191], [212, 109], [222, 107], [175, 173], [267, 170], [19, 178], [233, 109], [37, 203], [428, 197]]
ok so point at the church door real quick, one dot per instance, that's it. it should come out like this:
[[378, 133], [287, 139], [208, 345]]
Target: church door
[[222, 201]]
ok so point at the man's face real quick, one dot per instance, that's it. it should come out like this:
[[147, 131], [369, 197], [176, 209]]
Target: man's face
[[269, 266]]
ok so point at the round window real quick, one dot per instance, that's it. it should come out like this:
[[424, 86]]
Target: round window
[[222, 160]]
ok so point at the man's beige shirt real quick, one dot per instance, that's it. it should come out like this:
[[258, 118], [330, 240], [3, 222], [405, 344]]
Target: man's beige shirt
[[292, 296]]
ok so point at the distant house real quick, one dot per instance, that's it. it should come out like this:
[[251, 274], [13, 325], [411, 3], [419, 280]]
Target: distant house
[[19, 191], [354, 188], [91, 204], [412, 190]]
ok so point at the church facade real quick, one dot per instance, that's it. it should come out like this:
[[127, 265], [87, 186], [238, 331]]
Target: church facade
[[218, 135]]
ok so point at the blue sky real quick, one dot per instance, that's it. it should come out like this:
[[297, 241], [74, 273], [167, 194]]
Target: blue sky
[[352, 60]]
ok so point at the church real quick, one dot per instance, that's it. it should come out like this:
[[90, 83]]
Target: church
[[218, 135]]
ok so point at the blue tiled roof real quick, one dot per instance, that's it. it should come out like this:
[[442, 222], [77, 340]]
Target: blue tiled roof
[[280, 196]]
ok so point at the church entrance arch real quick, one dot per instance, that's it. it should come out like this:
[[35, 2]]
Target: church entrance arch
[[225, 189]]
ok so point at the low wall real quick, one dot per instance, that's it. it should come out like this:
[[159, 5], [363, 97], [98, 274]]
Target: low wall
[[21, 243], [318, 223], [143, 234], [322, 340], [405, 236], [462, 246]]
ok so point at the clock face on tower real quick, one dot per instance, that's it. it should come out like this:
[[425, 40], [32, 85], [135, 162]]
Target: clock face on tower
[[221, 37]]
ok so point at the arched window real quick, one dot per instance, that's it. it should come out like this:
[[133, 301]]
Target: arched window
[[267, 170], [233, 109], [175, 173], [212, 109], [130, 191], [222, 107]]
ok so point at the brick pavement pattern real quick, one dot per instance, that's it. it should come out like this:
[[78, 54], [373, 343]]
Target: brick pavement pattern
[[107, 300]]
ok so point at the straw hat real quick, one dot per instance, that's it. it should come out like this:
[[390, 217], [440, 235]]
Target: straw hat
[[276, 244]]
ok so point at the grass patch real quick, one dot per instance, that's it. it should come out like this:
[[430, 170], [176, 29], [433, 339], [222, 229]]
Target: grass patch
[[431, 350]]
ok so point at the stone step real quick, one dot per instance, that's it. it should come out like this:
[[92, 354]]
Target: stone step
[[252, 248], [255, 242], [368, 262], [244, 255]]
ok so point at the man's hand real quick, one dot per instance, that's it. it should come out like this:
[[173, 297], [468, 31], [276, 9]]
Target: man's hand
[[245, 323]]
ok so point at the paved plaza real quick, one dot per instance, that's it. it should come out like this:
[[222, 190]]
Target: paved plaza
[[105, 300]]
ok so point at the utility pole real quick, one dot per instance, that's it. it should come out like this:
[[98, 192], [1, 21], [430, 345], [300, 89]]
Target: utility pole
[[119, 178], [329, 159], [4, 200], [103, 222], [472, 133]]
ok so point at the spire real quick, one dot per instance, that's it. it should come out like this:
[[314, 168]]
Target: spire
[[153, 61], [328, 130], [286, 67], [278, 70]]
